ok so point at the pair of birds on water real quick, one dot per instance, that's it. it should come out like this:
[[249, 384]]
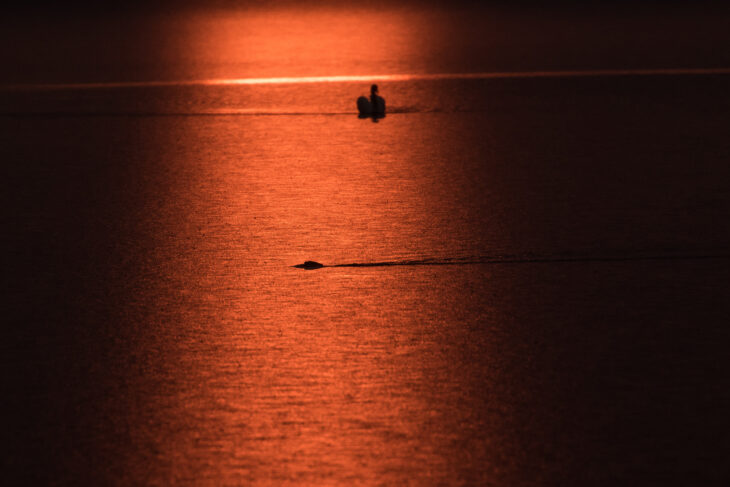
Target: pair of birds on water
[[375, 105]]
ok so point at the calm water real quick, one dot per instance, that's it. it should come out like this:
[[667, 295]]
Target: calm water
[[565, 322]]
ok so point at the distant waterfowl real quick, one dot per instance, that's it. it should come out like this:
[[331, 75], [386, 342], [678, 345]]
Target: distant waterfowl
[[373, 106]]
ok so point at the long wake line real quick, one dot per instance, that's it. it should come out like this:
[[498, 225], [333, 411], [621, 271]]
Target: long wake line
[[310, 264], [368, 78]]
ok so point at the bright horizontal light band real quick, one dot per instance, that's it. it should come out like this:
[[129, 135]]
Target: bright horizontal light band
[[374, 77]]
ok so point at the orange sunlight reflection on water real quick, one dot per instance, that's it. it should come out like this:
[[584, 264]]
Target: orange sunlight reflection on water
[[294, 42], [283, 375], [160, 335]]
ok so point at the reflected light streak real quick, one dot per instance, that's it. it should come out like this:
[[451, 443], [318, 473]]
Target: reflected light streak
[[376, 77]]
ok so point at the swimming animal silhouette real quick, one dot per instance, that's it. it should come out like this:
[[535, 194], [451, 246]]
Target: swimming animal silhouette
[[309, 264]]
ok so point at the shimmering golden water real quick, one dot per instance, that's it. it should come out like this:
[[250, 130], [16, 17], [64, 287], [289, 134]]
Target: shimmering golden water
[[159, 335]]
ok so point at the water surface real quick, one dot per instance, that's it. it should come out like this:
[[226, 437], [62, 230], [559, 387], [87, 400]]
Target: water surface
[[158, 334]]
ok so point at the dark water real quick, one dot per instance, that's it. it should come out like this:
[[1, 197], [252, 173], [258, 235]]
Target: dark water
[[526, 280]]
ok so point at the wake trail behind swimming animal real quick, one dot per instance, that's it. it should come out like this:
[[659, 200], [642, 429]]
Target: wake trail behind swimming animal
[[525, 259]]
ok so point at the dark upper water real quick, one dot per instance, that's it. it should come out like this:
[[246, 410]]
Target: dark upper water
[[554, 306]]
